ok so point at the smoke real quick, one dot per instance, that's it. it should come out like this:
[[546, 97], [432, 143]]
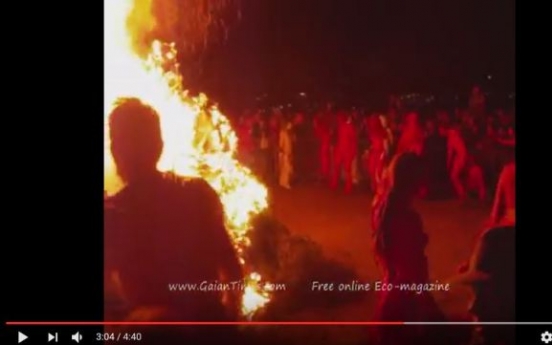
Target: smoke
[[190, 24]]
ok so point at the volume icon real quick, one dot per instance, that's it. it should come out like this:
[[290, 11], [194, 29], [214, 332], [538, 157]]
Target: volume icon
[[77, 337]]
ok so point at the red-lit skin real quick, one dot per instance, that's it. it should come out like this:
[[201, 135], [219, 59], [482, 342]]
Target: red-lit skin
[[345, 151], [412, 136], [323, 132], [504, 205], [244, 134], [286, 147], [475, 181], [457, 156], [378, 145], [274, 134]]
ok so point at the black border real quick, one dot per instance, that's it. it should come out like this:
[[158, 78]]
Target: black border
[[533, 301], [54, 236], [533, 250]]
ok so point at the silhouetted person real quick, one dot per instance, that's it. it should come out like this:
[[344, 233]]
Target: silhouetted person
[[162, 230], [492, 274], [399, 243]]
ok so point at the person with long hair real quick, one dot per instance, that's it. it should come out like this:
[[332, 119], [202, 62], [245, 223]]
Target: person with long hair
[[399, 243]]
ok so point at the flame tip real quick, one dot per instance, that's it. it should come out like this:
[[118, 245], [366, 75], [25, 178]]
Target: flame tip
[[156, 80]]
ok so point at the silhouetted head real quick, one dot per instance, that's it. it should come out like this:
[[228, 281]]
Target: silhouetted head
[[136, 142], [406, 175]]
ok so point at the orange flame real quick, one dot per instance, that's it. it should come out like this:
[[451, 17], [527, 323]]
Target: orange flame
[[193, 146]]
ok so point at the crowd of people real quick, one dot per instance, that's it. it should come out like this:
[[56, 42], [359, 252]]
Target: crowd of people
[[162, 229], [464, 149], [399, 244], [401, 155]]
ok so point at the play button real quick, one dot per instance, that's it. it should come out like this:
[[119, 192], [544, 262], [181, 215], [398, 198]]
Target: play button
[[21, 337]]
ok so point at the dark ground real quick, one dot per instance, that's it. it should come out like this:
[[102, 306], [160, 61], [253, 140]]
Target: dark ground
[[340, 224]]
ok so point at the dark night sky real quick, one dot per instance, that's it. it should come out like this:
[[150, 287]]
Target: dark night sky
[[354, 47]]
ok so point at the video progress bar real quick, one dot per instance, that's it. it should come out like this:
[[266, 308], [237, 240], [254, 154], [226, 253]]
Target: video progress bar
[[481, 323], [262, 323]]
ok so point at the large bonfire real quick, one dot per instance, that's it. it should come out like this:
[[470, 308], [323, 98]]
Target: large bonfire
[[153, 76]]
